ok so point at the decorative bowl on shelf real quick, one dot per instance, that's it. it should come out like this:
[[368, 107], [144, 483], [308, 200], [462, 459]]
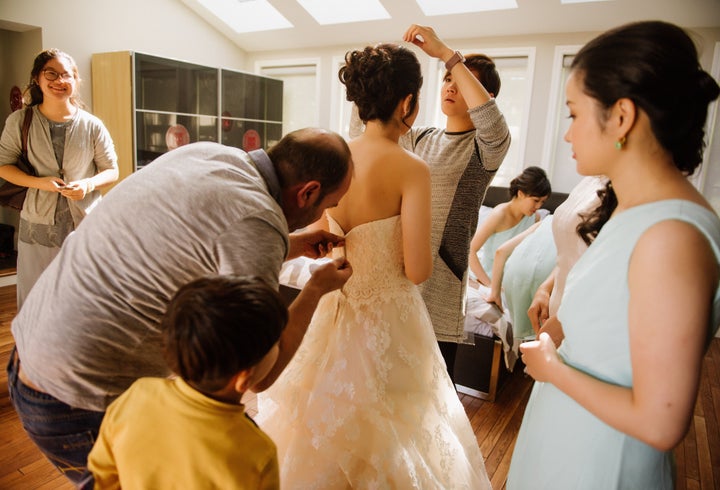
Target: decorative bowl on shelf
[[176, 136]]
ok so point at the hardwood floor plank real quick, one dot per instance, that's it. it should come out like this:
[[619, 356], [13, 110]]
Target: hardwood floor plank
[[691, 457], [681, 483], [711, 433], [703, 450], [23, 467]]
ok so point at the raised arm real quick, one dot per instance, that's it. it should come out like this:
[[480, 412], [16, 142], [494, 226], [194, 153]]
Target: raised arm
[[425, 38]]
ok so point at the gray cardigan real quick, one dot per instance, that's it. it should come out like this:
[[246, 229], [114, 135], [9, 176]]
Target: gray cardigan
[[462, 166], [89, 150]]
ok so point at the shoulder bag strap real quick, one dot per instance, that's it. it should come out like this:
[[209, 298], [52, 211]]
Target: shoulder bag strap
[[26, 129]]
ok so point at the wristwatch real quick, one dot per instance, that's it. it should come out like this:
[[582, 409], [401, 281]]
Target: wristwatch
[[456, 58]]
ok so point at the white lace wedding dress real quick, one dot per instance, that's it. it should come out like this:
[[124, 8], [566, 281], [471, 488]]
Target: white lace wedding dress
[[367, 402]]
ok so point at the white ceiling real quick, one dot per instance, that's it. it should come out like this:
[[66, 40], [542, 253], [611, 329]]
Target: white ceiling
[[531, 17]]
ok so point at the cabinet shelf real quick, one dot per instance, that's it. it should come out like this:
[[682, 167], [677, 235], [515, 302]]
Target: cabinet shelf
[[152, 104]]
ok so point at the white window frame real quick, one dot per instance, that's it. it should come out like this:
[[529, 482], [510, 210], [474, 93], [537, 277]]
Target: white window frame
[[261, 65], [339, 107], [434, 107], [699, 179], [557, 94]]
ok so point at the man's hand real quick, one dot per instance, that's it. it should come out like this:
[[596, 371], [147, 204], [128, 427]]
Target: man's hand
[[327, 277], [330, 276], [314, 244]]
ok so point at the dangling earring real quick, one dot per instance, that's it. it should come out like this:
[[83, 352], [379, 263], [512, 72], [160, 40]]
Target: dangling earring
[[620, 143]]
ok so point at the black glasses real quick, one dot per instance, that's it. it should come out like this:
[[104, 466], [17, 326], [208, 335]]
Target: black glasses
[[52, 75]]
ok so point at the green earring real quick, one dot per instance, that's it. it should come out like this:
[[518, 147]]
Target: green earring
[[620, 143]]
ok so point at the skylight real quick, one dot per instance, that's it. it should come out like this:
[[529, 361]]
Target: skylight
[[446, 7], [247, 15], [343, 11]]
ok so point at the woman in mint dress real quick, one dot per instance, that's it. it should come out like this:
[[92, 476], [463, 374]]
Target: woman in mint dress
[[528, 192], [642, 304]]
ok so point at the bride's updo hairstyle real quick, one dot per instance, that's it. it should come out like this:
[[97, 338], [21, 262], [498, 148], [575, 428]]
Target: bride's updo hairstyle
[[378, 77], [654, 64]]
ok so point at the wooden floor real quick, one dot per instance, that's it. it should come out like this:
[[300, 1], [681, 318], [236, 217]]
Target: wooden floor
[[23, 467]]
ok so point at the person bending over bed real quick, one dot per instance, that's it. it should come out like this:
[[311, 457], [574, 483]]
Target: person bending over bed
[[528, 192]]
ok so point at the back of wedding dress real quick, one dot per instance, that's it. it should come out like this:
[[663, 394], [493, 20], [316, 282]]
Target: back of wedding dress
[[366, 402]]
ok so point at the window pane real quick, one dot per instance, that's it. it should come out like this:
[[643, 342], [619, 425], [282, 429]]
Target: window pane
[[564, 174], [711, 171], [300, 105], [513, 101]]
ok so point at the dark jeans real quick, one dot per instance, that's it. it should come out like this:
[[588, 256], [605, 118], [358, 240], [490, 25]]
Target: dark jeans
[[63, 433], [449, 351]]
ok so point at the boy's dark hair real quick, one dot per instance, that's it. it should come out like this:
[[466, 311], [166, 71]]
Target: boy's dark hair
[[217, 326], [487, 71]]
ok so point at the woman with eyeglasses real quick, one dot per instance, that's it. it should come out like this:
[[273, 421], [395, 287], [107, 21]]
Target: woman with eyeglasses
[[72, 153]]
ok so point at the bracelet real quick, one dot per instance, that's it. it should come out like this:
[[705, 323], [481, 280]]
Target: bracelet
[[456, 58], [90, 186]]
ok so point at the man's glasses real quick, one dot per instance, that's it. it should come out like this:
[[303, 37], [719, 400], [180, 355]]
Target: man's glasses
[[52, 75]]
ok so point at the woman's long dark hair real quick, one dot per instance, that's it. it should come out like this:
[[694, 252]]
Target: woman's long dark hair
[[654, 64]]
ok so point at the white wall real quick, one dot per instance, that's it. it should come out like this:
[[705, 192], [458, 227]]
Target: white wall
[[82, 27], [541, 101], [161, 27], [169, 28], [15, 46]]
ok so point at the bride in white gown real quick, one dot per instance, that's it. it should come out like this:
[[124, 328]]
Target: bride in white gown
[[367, 402]]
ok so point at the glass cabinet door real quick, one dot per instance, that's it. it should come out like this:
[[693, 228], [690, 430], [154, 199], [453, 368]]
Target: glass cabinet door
[[251, 110], [176, 103], [174, 86], [158, 133]]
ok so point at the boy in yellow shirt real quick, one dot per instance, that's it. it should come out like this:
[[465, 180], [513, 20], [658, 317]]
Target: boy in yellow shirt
[[220, 337]]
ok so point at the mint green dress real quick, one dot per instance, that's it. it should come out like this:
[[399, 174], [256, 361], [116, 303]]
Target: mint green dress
[[529, 265], [561, 445], [486, 255]]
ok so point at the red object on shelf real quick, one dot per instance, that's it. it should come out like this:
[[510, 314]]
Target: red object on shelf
[[176, 136], [251, 140]]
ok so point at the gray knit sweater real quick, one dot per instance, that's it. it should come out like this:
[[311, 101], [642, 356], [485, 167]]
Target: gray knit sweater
[[462, 166]]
